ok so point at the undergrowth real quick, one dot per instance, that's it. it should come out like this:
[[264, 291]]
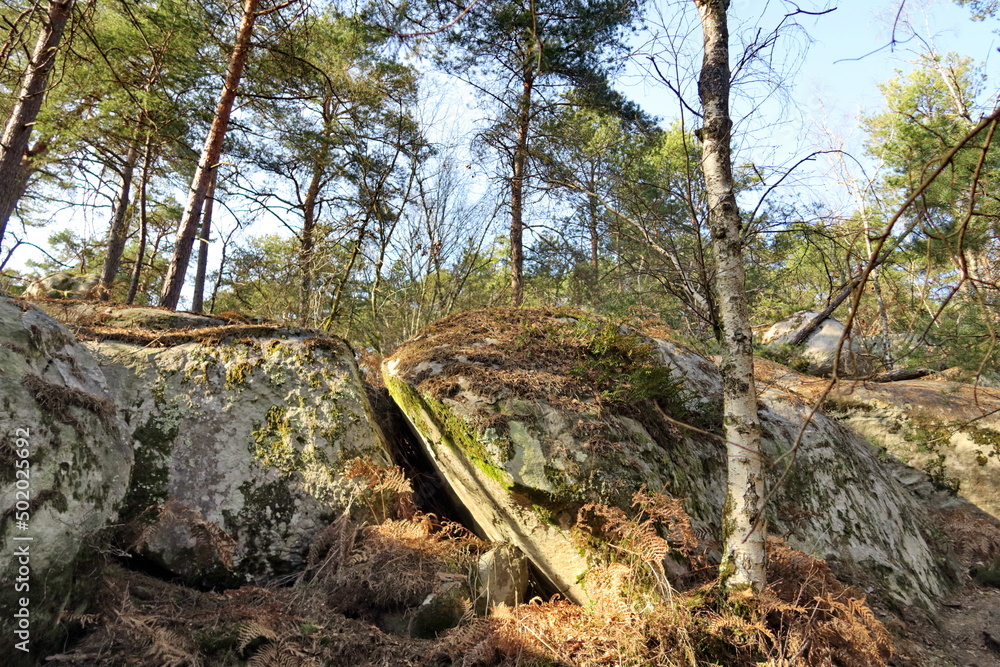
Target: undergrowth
[[356, 572], [561, 355]]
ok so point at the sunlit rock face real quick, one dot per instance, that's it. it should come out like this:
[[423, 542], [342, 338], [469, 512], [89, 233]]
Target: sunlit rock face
[[241, 437], [948, 432], [531, 414], [66, 459], [63, 285], [816, 356]]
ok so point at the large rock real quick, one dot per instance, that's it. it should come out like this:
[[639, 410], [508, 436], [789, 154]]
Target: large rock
[[241, 436], [63, 285], [66, 462], [949, 430], [817, 354], [530, 414], [77, 313]]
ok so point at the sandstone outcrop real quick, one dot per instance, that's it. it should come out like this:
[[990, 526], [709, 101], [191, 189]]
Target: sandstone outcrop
[[531, 414], [66, 460], [63, 285], [948, 430], [817, 354], [241, 437]]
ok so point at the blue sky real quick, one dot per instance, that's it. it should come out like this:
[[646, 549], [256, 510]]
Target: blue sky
[[828, 67]]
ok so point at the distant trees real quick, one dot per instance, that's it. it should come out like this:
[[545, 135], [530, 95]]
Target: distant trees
[[208, 164], [520, 52], [334, 135], [150, 58], [950, 230]]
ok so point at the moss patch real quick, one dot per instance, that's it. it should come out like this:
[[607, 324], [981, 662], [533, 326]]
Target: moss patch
[[148, 486], [455, 432]]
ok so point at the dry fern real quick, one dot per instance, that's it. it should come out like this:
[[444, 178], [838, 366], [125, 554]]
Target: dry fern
[[385, 491]]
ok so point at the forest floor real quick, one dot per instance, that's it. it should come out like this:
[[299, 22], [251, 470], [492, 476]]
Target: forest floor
[[965, 633]]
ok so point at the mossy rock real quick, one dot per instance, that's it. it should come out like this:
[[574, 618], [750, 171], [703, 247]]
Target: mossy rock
[[530, 414], [63, 285], [66, 464], [246, 433]]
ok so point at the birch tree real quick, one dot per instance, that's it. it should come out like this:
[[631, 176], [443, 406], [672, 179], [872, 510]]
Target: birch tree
[[743, 560]]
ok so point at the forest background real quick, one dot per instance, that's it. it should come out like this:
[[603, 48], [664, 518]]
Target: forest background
[[382, 160]]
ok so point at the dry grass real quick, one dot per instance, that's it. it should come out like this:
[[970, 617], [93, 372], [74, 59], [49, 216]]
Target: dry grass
[[57, 399], [356, 573], [206, 336], [805, 617], [974, 535]]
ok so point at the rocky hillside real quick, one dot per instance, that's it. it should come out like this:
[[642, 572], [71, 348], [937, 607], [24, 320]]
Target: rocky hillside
[[230, 456]]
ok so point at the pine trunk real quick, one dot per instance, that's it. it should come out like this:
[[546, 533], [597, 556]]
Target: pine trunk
[[209, 162], [744, 532], [198, 300], [118, 234], [308, 242], [517, 193], [17, 131], [140, 254]]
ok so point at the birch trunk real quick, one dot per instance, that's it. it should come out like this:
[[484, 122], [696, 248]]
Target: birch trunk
[[209, 162], [744, 532], [17, 131]]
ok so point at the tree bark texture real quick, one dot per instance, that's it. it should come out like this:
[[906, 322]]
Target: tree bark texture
[[17, 131], [147, 160], [744, 532], [517, 192], [307, 245], [118, 233], [209, 162], [198, 300]]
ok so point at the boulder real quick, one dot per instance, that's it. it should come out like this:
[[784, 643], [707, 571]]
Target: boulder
[[241, 436], [66, 462], [501, 578], [948, 430], [531, 414], [86, 314], [817, 354], [63, 285]]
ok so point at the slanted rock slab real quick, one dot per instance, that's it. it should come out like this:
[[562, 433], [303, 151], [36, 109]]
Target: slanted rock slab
[[66, 462], [530, 414]]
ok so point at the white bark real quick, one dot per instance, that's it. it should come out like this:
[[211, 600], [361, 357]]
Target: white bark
[[744, 532]]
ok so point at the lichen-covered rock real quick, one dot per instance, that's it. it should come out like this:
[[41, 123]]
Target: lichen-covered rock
[[63, 285], [86, 313], [817, 354], [243, 428], [531, 414], [948, 430], [66, 460]]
